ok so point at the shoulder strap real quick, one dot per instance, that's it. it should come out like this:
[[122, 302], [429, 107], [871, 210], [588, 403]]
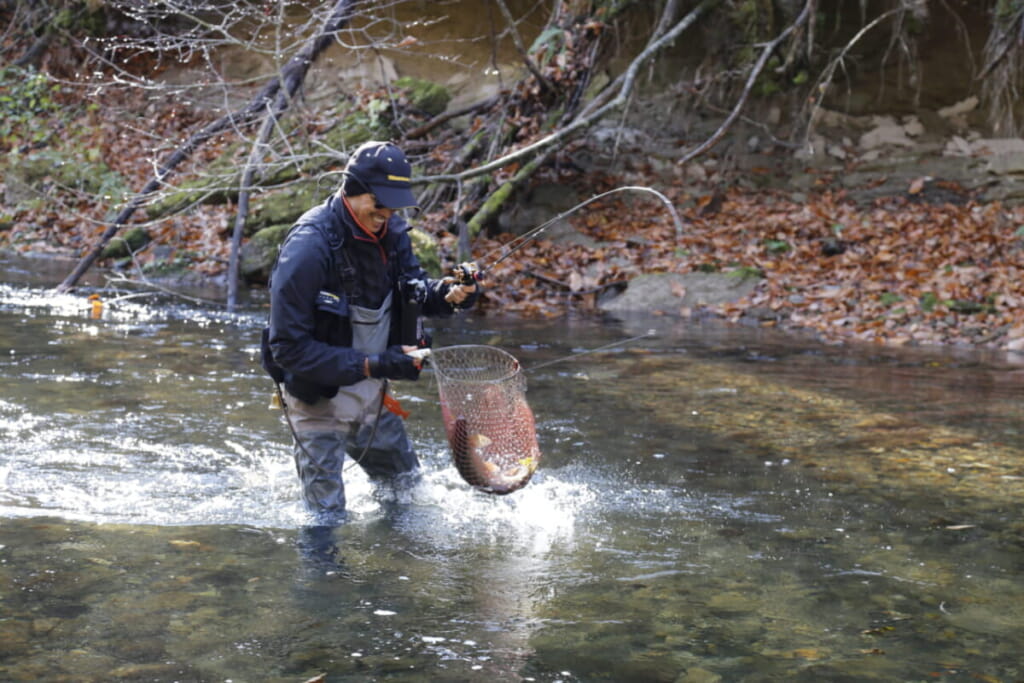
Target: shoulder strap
[[343, 269], [342, 263]]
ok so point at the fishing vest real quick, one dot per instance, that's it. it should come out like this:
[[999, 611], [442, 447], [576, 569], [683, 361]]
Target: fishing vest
[[340, 322]]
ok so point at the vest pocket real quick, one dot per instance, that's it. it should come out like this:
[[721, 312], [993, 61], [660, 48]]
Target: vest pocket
[[329, 302], [332, 319]]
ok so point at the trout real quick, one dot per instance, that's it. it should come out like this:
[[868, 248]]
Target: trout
[[469, 454]]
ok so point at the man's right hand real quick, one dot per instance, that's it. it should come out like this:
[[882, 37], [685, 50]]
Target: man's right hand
[[394, 364]]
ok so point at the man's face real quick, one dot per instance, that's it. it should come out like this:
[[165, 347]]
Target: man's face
[[366, 210]]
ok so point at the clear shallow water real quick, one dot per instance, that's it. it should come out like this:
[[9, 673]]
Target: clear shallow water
[[712, 505]]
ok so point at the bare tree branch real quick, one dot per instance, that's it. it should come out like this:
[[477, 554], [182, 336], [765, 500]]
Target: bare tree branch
[[824, 81], [544, 82], [444, 117], [758, 67], [242, 212], [1011, 36], [276, 95], [562, 135]]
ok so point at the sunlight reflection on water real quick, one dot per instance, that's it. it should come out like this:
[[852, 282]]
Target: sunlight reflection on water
[[650, 543]]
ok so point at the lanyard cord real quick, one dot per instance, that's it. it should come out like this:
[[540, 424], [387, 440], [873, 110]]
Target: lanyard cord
[[302, 447]]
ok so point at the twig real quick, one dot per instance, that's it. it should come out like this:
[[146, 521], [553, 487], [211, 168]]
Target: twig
[[145, 282], [558, 137], [825, 79], [544, 82], [1011, 40], [242, 212], [433, 123], [664, 21], [575, 292], [769, 48]]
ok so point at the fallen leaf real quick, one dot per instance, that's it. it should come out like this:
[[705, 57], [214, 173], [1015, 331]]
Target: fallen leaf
[[917, 184]]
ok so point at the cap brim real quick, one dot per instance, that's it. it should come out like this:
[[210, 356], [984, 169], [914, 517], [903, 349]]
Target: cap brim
[[394, 197]]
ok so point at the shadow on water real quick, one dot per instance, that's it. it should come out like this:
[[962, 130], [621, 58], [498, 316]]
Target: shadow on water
[[713, 504]]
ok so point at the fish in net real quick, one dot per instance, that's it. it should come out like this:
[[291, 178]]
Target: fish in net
[[489, 424]]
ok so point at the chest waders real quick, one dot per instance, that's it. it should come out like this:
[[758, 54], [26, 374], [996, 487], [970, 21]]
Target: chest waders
[[370, 330]]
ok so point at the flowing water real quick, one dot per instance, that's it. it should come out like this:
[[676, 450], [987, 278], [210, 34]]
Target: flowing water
[[713, 504]]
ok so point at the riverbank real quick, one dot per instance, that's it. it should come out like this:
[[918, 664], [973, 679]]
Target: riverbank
[[880, 231]]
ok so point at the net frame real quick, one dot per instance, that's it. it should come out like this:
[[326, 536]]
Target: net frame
[[490, 426], [474, 363]]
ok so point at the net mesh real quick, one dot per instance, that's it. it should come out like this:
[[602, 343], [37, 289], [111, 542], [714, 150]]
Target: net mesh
[[489, 424]]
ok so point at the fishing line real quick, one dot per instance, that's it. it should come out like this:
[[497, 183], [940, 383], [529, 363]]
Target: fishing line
[[577, 354], [424, 354]]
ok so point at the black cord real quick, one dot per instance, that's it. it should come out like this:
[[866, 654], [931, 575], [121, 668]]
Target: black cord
[[302, 447]]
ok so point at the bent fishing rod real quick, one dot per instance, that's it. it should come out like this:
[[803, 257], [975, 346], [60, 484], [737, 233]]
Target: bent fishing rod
[[470, 273], [577, 354]]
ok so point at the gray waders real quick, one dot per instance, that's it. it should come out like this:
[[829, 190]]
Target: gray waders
[[331, 428]]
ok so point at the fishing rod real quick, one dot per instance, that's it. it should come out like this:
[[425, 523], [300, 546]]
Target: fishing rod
[[469, 273], [577, 354]]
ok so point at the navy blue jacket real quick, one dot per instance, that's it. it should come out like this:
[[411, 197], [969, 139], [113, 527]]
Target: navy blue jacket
[[326, 263]]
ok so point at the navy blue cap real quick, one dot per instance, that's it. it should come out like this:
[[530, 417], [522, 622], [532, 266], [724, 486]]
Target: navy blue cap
[[383, 168]]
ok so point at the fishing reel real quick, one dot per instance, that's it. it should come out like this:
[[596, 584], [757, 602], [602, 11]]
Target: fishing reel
[[467, 273], [415, 291]]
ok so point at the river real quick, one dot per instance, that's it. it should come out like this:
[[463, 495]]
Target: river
[[713, 504]]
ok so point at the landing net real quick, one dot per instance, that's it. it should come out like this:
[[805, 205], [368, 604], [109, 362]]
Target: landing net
[[489, 424]]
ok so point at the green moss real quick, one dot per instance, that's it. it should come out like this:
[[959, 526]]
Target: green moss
[[126, 244], [259, 253], [425, 248], [929, 301], [753, 21], [284, 206], [180, 265], [1006, 10], [40, 173], [743, 272], [205, 190], [359, 125], [424, 95]]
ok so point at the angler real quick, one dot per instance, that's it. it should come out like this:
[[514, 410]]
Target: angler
[[346, 294]]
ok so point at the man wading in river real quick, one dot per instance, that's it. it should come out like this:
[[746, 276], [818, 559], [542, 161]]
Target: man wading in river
[[346, 293]]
